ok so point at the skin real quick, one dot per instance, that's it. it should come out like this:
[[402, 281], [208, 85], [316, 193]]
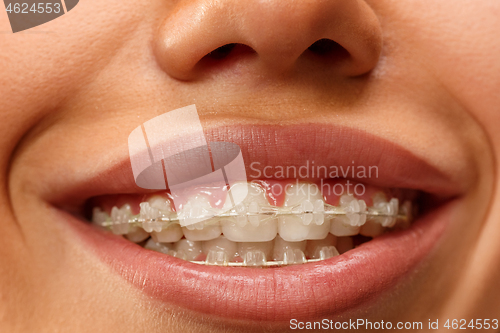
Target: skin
[[430, 83]]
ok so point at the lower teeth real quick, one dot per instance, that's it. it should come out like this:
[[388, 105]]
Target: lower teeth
[[223, 252]]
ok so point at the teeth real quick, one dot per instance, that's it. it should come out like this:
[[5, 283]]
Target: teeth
[[356, 220], [217, 257], [219, 249], [340, 226], [306, 207], [147, 212], [344, 244], [158, 247], [371, 229], [327, 252], [265, 247], [195, 210], [379, 197], [406, 210], [297, 228], [292, 229], [362, 206], [346, 200], [170, 234], [166, 248], [120, 219], [241, 218], [178, 254], [354, 210], [394, 206], [282, 247], [387, 209], [291, 257], [237, 192], [253, 208], [99, 217], [266, 231], [388, 222], [150, 214], [314, 247], [255, 228], [163, 205], [137, 235], [159, 207], [197, 224], [254, 258], [255, 233], [391, 209], [202, 231], [190, 249], [319, 209]]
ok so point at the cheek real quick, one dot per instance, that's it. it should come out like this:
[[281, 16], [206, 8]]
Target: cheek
[[53, 62], [457, 43]]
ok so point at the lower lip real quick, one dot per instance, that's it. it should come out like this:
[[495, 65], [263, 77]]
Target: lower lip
[[304, 291]]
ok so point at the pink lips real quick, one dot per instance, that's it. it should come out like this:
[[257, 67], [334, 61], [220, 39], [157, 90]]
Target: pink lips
[[303, 291]]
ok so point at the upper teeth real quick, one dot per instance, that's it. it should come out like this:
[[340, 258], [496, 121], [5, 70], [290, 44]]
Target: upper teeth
[[355, 210], [302, 217], [120, 218]]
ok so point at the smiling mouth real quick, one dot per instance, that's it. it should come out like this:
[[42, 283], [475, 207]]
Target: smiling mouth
[[329, 251], [279, 223]]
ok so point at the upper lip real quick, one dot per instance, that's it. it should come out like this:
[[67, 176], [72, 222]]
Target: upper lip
[[294, 145]]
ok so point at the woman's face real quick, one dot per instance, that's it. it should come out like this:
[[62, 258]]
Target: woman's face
[[408, 86]]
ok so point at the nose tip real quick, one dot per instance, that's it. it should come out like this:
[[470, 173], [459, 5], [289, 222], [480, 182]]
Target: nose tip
[[278, 34]]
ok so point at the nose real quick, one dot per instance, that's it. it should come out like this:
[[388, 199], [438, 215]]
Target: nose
[[344, 36]]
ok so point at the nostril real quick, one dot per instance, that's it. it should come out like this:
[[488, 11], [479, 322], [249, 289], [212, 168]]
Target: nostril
[[224, 57], [221, 52], [261, 36], [326, 47]]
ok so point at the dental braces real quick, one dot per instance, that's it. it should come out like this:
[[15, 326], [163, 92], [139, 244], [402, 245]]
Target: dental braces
[[278, 263], [291, 257], [309, 212], [353, 211], [254, 258]]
